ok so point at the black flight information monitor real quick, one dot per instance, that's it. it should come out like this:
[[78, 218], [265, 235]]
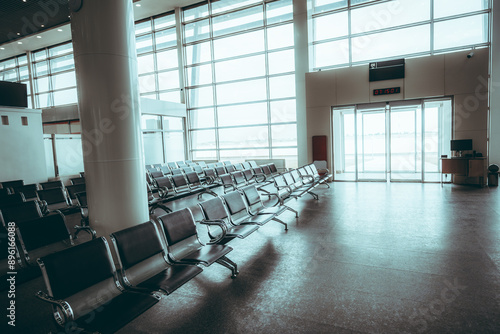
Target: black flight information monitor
[[387, 91]]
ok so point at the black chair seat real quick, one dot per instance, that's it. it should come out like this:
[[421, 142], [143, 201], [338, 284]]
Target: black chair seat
[[207, 254], [257, 219], [117, 313], [171, 279], [242, 231]]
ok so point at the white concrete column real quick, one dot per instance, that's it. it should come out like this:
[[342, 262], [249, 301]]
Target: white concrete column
[[494, 90], [301, 68], [108, 101]]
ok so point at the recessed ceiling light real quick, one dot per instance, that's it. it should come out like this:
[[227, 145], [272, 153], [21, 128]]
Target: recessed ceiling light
[[2, 48], [138, 5], [59, 29], [38, 36], [19, 42], [43, 25], [18, 34]]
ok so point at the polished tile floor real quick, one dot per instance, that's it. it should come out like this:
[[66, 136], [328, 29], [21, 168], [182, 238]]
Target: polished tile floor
[[364, 258]]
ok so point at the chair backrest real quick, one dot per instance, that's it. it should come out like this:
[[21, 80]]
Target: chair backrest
[[248, 174], [81, 198], [13, 184], [210, 172], [227, 181], [197, 169], [296, 175], [43, 236], [251, 196], [176, 171], [155, 174], [181, 164], [28, 190], [172, 165], [51, 185], [253, 164], [140, 252], [213, 209], [238, 166], [84, 274], [219, 164], [156, 165], [11, 199], [289, 179], [20, 212], [273, 168], [257, 170], [266, 170], [53, 196], [165, 170], [4, 192], [230, 168], [186, 169], [220, 170], [78, 180], [164, 182], [75, 188], [193, 179], [150, 168], [235, 205], [314, 169], [202, 164], [246, 165], [227, 163], [238, 177]]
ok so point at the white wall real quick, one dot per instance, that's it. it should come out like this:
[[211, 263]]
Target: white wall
[[22, 152], [453, 75]]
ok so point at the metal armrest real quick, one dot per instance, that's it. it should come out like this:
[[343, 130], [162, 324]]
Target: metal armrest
[[216, 222], [87, 229], [162, 192], [61, 304], [44, 207]]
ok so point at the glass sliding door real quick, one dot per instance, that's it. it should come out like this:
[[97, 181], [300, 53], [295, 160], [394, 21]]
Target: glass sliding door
[[345, 144], [371, 144], [406, 143]]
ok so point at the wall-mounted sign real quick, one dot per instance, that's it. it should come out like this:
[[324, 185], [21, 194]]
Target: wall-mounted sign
[[387, 91], [387, 70]]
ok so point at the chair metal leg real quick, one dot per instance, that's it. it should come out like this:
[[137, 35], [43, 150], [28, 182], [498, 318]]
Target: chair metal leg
[[289, 208], [224, 261], [314, 195], [281, 222]]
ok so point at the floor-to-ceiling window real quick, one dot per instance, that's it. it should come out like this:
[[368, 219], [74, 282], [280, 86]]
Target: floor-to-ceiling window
[[397, 141], [163, 138], [346, 32], [54, 80], [240, 82]]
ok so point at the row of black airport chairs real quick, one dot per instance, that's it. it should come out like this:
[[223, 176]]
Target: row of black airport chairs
[[155, 258]]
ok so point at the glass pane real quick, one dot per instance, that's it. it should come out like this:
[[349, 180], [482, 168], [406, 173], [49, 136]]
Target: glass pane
[[10, 75], [331, 53], [330, 26], [153, 147], [173, 123], [204, 155], [24, 73], [389, 14], [195, 12], [42, 84], [225, 5], [68, 96], [238, 21], [149, 95], [22, 60], [201, 97], [144, 44], [284, 135], [174, 96], [147, 83], [283, 86], [43, 100], [145, 64], [246, 114], [168, 80], [391, 43], [243, 137], [289, 154], [69, 154], [203, 139], [11, 63], [40, 55], [167, 59], [371, 145], [64, 80], [150, 122], [465, 31], [279, 11], [202, 118], [324, 5], [239, 45], [196, 31], [166, 38], [49, 155], [283, 111], [62, 63], [41, 68], [281, 62], [143, 27], [174, 146], [444, 8], [198, 53], [164, 21], [241, 68], [28, 88], [61, 49], [247, 91], [280, 36], [199, 75]]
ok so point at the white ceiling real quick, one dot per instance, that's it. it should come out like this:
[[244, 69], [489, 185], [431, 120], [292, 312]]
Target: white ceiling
[[53, 36]]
